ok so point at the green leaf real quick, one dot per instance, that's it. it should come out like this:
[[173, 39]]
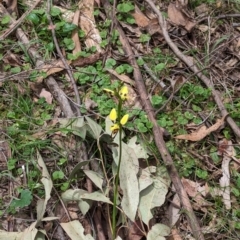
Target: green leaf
[[25, 199], [189, 115], [156, 100], [145, 38], [70, 45], [55, 11], [110, 63], [159, 67], [33, 17], [141, 127], [6, 19], [130, 19], [203, 174], [140, 62], [58, 175], [182, 120], [68, 27], [15, 70], [125, 7]]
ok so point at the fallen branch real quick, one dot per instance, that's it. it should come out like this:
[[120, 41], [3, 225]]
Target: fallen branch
[[157, 131], [195, 69]]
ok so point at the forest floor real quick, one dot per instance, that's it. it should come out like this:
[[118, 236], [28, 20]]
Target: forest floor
[[120, 119]]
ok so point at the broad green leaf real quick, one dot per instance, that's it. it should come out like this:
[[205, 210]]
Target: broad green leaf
[[77, 126], [154, 195], [24, 200], [95, 128], [34, 18], [96, 178], [55, 11], [125, 7], [158, 232], [128, 179], [75, 230], [68, 27], [110, 63]]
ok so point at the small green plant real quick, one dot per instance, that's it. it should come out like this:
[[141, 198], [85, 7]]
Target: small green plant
[[124, 9], [118, 119]]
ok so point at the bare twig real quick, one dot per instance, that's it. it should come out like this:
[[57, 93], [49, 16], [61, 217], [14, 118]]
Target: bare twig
[[67, 67], [157, 131], [195, 69]]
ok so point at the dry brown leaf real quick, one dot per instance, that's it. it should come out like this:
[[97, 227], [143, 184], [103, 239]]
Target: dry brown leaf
[[175, 234], [75, 36], [11, 6], [175, 15], [135, 232], [153, 27], [224, 181], [88, 25], [140, 19], [12, 59], [173, 210], [54, 67], [192, 189], [47, 95], [179, 17], [124, 78], [202, 132]]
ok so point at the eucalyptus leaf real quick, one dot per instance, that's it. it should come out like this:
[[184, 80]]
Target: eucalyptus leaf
[[95, 128], [77, 126], [128, 179], [158, 232], [154, 195], [95, 177], [75, 230]]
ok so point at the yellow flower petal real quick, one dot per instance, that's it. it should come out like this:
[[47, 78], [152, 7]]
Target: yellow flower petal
[[123, 93], [111, 92], [113, 114], [115, 127], [124, 119]]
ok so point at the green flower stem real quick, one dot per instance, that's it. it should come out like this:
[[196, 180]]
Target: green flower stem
[[118, 171]]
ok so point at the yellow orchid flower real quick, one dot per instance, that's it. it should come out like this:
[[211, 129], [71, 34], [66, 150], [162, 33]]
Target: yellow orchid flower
[[114, 128], [124, 119], [123, 92], [113, 114], [111, 92]]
